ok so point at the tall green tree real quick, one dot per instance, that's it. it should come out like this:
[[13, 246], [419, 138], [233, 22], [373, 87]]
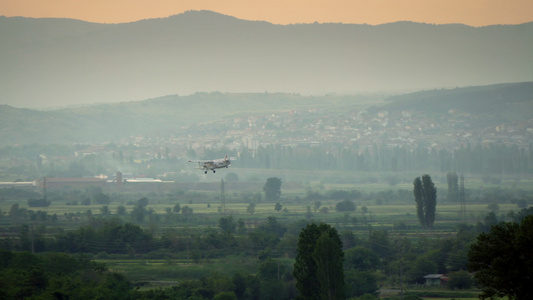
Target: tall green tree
[[272, 188], [139, 213], [502, 260], [425, 194], [417, 191], [251, 208], [227, 225], [318, 267]]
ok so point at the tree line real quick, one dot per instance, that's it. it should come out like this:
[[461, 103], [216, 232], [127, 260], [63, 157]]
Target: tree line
[[328, 264], [494, 159], [24, 275]]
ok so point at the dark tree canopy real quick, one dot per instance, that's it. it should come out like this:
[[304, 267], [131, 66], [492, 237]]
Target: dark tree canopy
[[272, 188], [101, 198], [522, 214], [425, 194], [502, 260], [345, 205], [58, 276], [318, 267], [227, 225], [362, 259], [143, 202], [360, 283]]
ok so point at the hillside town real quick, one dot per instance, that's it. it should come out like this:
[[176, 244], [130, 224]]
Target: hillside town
[[354, 131], [358, 128]]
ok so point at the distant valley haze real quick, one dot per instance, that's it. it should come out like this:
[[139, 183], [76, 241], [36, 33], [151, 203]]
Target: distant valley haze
[[50, 62]]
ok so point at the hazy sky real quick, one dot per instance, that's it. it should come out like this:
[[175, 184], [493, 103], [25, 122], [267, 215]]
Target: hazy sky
[[470, 12]]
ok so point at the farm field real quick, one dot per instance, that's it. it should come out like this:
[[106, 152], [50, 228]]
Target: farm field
[[379, 208]]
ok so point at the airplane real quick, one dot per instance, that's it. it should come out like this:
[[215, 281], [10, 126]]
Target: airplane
[[212, 165]]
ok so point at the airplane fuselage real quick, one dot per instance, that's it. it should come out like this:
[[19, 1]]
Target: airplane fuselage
[[212, 165]]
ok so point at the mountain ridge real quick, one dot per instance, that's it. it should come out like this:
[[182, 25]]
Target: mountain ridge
[[67, 62]]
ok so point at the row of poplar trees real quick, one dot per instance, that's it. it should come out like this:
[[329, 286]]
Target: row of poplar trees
[[425, 194]]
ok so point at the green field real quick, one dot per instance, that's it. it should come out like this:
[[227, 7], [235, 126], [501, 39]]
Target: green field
[[380, 207]]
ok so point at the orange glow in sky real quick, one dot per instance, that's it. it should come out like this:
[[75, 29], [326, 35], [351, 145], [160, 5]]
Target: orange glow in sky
[[470, 12]]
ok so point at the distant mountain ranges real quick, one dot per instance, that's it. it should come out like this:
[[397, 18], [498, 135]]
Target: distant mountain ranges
[[61, 62], [217, 113]]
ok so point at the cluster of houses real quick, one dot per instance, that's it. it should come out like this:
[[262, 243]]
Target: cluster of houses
[[405, 128]]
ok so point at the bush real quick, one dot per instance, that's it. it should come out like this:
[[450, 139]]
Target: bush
[[460, 280], [411, 297], [225, 296], [359, 283], [38, 202], [367, 297]]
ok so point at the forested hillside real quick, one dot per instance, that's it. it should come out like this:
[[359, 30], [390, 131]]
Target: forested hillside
[[218, 113], [160, 116], [500, 103]]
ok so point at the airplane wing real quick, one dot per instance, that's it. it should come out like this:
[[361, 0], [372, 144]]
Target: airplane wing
[[214, 160], [203, 164], [202, 161]]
